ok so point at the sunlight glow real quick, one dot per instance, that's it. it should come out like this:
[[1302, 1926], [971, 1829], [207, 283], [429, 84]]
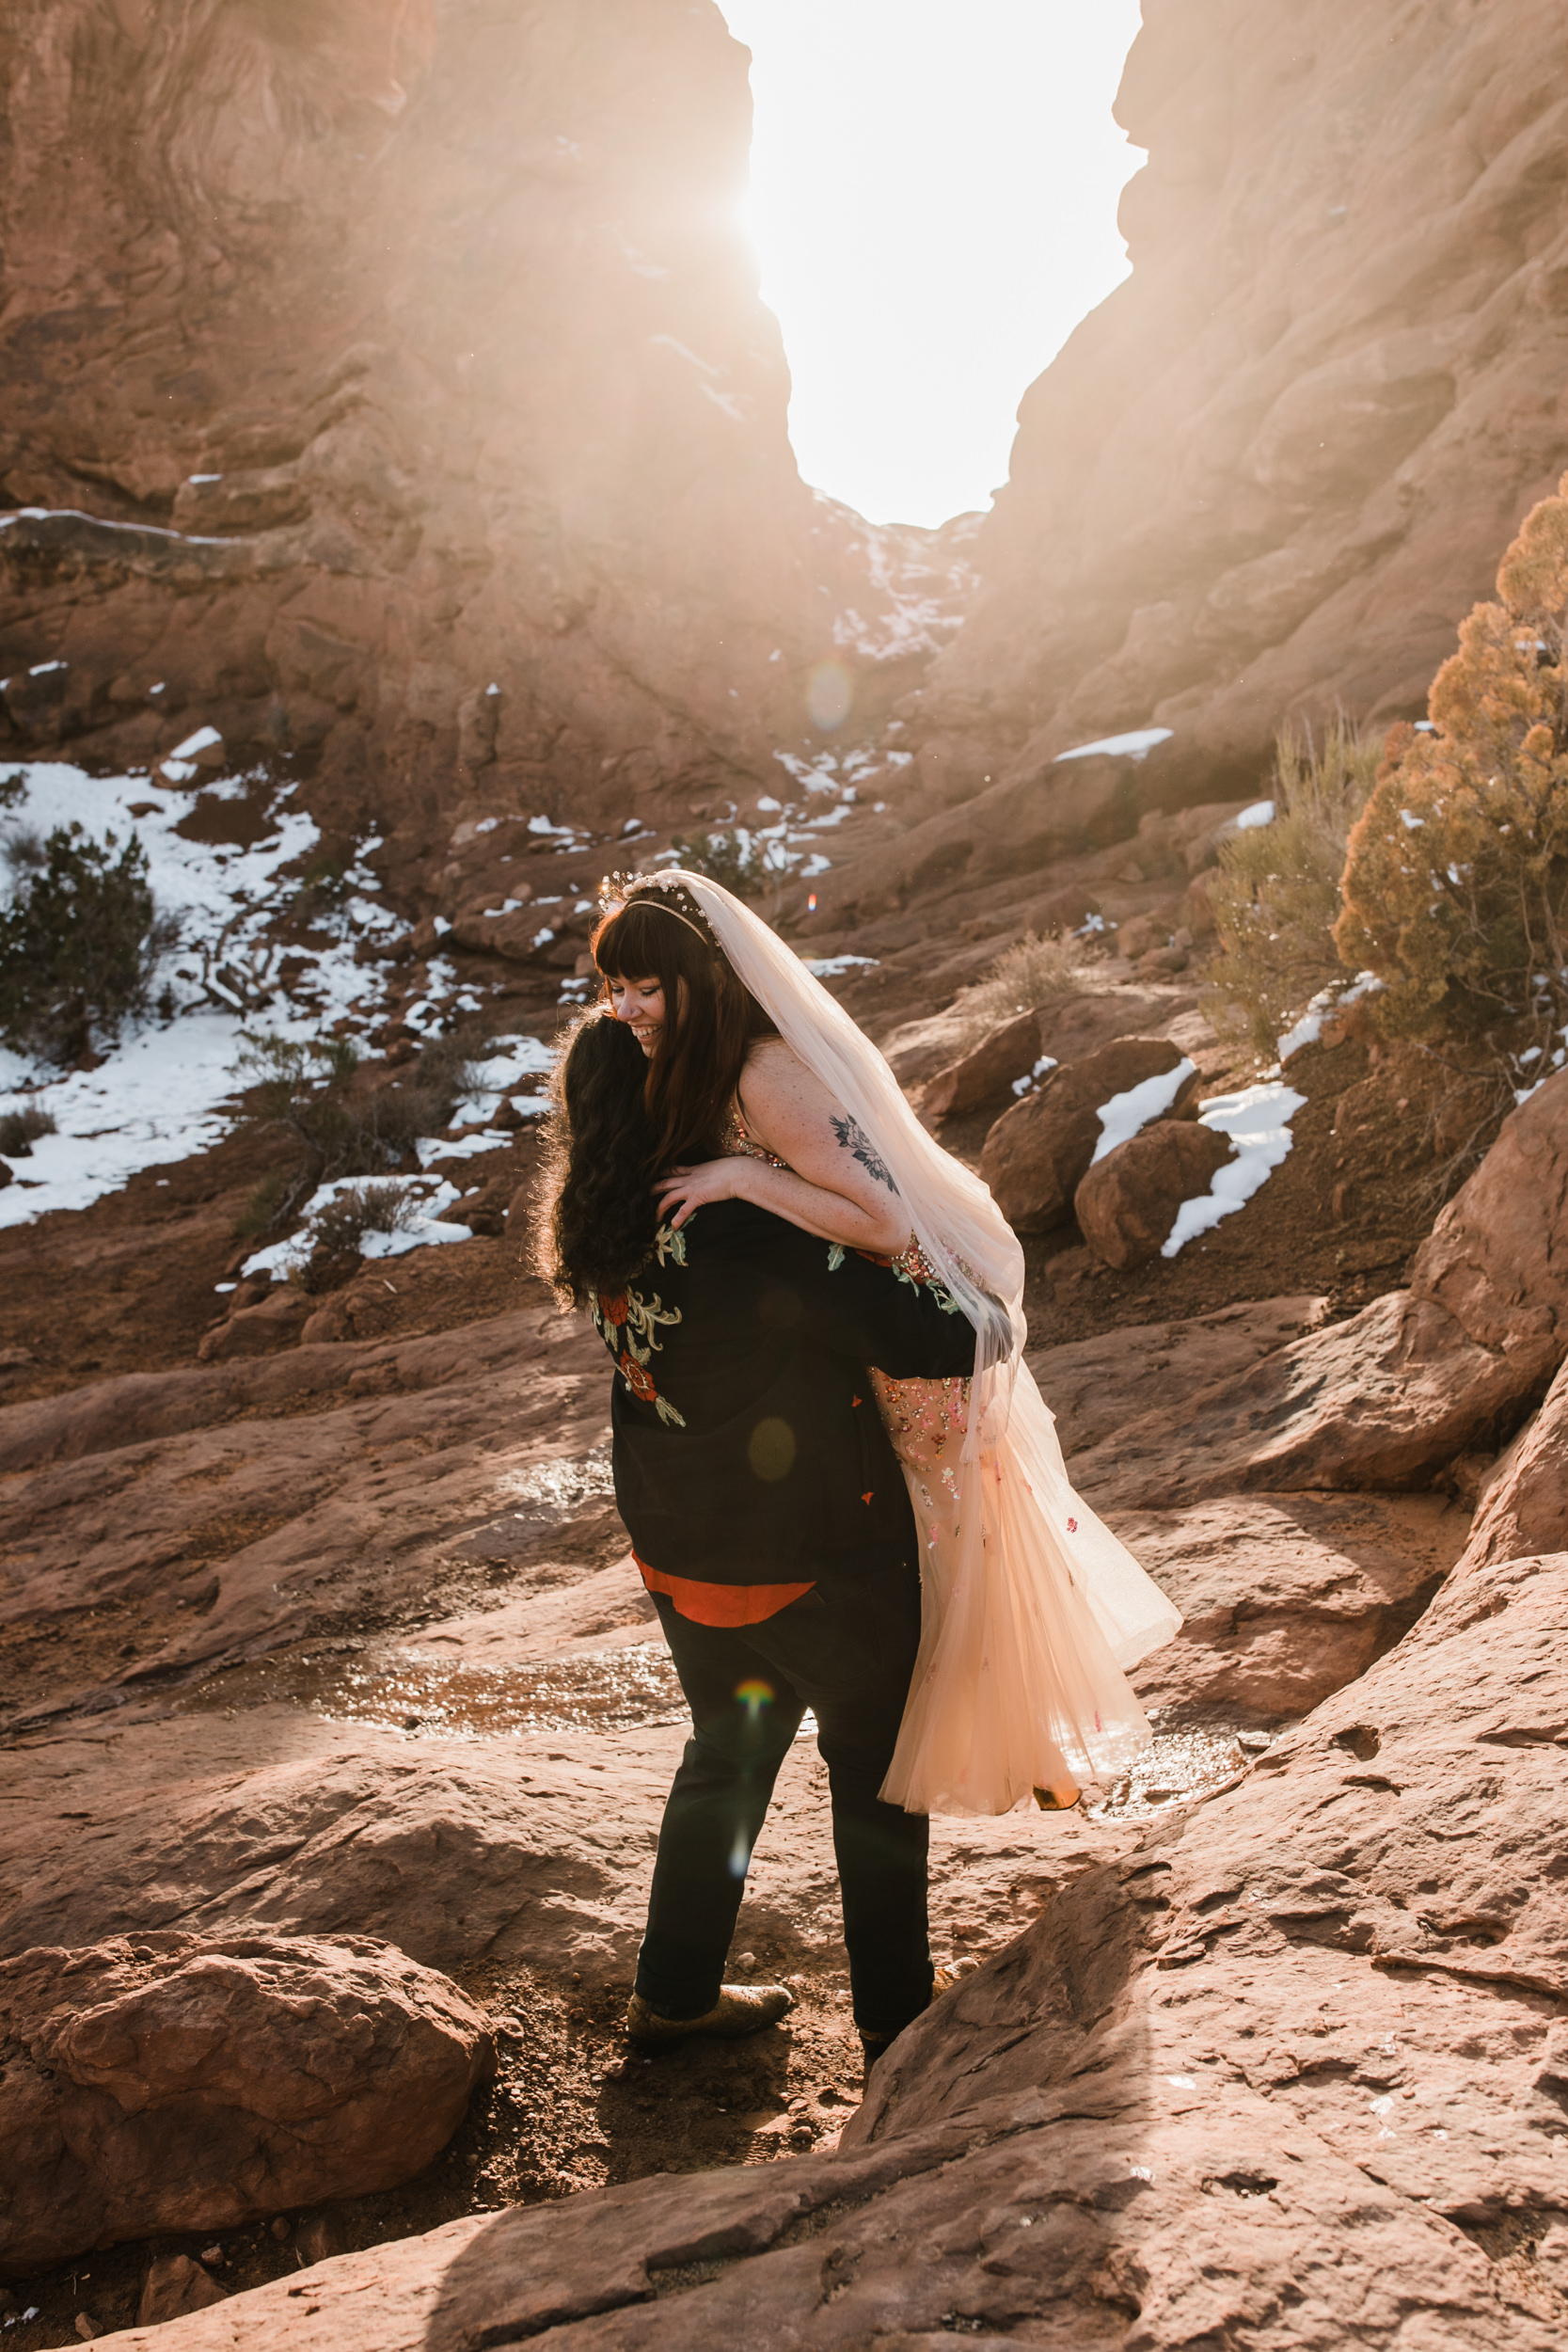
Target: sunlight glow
[[934, 189]]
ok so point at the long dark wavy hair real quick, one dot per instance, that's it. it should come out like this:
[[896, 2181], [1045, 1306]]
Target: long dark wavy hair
[[710, 1020], [600, 1158]]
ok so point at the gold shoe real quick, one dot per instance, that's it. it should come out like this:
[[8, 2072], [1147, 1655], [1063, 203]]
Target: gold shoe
[[1059, 1799], [741, 2008]]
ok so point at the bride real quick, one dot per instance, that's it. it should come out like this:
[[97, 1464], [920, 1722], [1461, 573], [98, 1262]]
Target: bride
[[1032, 1610]]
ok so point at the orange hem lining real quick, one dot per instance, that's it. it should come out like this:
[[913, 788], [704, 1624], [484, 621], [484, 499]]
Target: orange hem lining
[[720, 1604]]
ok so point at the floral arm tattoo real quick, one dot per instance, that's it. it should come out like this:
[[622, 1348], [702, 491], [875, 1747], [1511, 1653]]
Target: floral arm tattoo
[[855, 1141]]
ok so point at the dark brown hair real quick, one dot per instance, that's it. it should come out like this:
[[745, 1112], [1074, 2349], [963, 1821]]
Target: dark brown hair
[[711, 1022], [599, 1212]]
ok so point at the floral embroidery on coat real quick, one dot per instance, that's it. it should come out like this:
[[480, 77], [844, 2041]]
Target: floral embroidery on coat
[[628, 1324]]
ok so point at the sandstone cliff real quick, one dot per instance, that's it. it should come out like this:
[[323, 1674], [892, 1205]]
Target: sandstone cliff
[[389, 388], [1276, 467]]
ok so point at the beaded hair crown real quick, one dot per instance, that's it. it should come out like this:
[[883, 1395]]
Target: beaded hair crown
[[619, 891]]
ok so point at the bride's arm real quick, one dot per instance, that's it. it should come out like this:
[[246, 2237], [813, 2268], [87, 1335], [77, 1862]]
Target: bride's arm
[[835, 1185]]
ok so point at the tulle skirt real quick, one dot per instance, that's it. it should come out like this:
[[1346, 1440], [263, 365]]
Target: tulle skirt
[[1031, 1614]]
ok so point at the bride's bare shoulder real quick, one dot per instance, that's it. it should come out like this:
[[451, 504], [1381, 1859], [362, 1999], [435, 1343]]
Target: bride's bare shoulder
[[775, 1078], [774, 1070]]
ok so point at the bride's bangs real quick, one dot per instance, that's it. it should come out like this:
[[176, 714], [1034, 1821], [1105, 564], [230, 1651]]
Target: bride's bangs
[[638, 940]]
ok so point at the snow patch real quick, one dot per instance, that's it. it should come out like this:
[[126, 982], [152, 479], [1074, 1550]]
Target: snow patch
[[1031, 1078], [161, 1093], [1328, 1001], [1261, 813], [1136, 745], [1124, 1115], [1257, 1120], [201, 740], [425, 1198]]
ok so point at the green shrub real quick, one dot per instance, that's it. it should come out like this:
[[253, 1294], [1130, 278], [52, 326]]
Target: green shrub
[[77, 945], [307, 1087], [337, 1230], [1022, 976], [19, 1129], [1456, 883], [1277, 898]]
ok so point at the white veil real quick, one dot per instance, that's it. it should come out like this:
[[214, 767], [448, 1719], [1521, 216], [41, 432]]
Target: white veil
[[1031, 1608]]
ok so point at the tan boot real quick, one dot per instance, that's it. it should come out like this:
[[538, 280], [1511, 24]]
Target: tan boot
[[741, 2008]]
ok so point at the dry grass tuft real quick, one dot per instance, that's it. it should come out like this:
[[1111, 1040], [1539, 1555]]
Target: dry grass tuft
[[1022, 976]]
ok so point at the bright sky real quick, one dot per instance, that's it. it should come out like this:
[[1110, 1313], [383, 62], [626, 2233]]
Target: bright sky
[[934, 189]]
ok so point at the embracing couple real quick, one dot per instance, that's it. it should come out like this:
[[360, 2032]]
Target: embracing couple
[[842, 1487]]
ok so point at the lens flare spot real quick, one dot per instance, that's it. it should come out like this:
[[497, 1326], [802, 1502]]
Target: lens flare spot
[[755, 1696], [741, 1856], [771, 1449], [830, 693]]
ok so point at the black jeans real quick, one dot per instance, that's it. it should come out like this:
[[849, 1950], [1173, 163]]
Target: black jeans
[[847, 1651]]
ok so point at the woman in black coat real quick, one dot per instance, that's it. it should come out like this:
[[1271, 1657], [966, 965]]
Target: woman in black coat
[[771, 1523]]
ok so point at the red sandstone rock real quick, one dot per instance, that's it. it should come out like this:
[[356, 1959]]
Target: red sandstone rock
[[1276, 467], [1524, 1505], [174, 2285], [986, 1074], [1072, 1027], [423, 422], [1215, 2091], [176, 2082], [1127, 1203], [1038, 1152], [1285, 1599], [275, 1322], [1423, 1376], [1092, 1387]]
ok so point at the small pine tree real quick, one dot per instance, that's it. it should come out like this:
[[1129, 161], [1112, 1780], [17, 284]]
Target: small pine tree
[[77, 945], [1456, 878]]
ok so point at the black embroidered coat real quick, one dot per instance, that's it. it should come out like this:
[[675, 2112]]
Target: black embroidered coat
[[747, 1447]]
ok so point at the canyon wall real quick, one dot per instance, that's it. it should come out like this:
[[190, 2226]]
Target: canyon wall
[[1273, 469], [387, 386]]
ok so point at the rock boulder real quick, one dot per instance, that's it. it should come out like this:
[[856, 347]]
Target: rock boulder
[[167, 2081], [1445, 1368], [275, 1322], [1038, 1152], [1128, 1202], [1524, 1505], [985, 1075]]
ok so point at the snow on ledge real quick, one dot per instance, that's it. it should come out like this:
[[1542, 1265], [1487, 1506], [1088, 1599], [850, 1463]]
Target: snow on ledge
[[1135, 746]]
